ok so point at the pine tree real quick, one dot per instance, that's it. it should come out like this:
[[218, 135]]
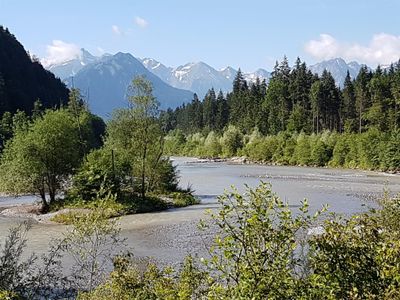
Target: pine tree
[[316, 104], [209, 110], [331, 102], [222, 116], [237, 100], [348, 109], [195, 115], [395, 99], [299, 90], [379, 89], [362, 95]]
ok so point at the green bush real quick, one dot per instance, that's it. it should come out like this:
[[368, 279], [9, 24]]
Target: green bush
[[96, 173], [184, 199], [302, 151], [212, 146], [6, 295], [391, 152], [320, 153], [231, 141], [368, 150], [174, 143]]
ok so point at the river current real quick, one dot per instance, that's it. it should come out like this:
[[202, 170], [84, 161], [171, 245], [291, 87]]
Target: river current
[[170, 235]]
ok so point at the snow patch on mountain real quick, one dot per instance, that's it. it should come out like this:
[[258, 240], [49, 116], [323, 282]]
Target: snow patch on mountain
[[72, 67], [199, 77]]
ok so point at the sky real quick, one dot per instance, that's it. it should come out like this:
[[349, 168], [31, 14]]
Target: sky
[[248, 34]]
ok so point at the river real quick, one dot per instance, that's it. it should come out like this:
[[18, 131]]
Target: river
[[169, 235]]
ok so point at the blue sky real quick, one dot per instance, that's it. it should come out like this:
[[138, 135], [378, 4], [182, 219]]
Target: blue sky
[[247, 34]]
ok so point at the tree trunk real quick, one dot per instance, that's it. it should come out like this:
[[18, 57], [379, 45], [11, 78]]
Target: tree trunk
[[52, 189], [360, 121], [52, 195], [45, 205], [42, 193], [143, 187]]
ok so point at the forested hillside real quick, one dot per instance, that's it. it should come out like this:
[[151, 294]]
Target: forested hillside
[[299, 118], [23, 80], [297, 100]]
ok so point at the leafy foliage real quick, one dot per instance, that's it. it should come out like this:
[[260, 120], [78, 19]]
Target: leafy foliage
[[263, 249], [370, 150]]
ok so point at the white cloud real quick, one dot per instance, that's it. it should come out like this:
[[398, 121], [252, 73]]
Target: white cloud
[[59, 52], [382, 49], [141, 22], [115, 29]]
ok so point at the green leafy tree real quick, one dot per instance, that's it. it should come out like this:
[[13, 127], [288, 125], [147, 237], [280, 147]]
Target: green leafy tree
[[40, 158], [231, 141], [136, 135]]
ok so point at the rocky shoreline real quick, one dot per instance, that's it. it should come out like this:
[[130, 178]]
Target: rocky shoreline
[[32, 212]]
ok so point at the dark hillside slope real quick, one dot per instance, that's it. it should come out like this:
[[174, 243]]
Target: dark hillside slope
[[24, 80]]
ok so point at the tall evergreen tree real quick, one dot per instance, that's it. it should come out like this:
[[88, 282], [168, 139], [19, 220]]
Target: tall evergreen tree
[[210, 110], [195, 115], [362, 95], [331, 102], [348, 108], [237, 99], [316, 104], [222, 117], [379, 89]]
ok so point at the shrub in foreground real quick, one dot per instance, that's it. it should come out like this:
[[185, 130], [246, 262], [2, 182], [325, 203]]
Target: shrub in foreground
[[262, 249]]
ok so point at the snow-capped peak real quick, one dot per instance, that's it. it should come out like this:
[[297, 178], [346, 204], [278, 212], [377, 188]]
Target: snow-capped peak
[[72, 66]]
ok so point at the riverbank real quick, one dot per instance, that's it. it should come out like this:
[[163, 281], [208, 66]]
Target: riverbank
[[65, 212], [32, 212], [244, 160], [370, 150]]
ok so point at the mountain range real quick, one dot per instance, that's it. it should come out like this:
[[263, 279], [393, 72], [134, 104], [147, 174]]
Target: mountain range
[[72, 67], [338, 68], [199, 77], [106, 78]]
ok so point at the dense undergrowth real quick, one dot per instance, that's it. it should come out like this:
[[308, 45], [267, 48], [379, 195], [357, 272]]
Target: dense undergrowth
[[371, 150]]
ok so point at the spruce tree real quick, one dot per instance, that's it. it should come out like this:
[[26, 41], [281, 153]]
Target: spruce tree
[[362, 95], [348, 109], [209, 110], [222, 117]]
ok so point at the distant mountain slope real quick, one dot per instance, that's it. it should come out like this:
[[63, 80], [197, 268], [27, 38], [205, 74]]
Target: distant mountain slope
[[73, 66], [23, 80], [158, 69], [199, 77], [338, 68], [107, 79]]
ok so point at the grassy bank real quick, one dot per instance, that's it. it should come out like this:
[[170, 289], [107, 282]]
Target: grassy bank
[[126, 204]]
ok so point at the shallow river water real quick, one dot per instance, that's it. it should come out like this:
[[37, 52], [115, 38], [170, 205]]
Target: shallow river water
[[168, 236]]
